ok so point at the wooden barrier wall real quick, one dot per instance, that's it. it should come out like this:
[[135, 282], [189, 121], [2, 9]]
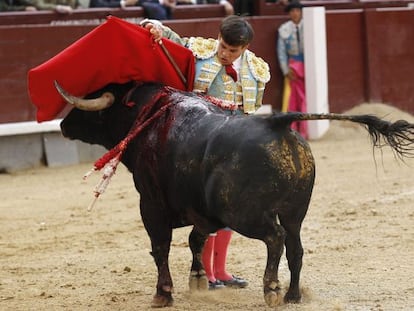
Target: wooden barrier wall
[[346, 59], [370, 56], [263, 7], [390, 46]]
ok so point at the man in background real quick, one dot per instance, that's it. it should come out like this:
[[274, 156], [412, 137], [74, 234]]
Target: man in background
[[291, 61]]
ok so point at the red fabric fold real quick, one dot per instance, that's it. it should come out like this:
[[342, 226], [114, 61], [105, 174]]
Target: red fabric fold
[[114, 52]]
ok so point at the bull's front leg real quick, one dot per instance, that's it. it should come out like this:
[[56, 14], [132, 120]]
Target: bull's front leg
[[159, 230], [198, 279], [271, 284], [163, 295]]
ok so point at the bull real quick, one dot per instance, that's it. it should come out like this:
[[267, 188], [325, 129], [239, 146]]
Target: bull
[[193, 164]]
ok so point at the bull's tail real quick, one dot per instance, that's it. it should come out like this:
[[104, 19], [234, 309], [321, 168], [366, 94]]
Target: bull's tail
[[399, 135]]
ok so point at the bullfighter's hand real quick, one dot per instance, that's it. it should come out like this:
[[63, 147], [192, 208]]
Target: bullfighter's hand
[[291, 74], [64, 9], [155, 30]]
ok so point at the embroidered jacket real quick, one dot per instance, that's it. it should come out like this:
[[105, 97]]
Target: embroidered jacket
[[288, 45], [211, 77]]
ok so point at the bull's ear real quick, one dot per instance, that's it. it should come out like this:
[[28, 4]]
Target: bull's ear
[[96, 104]]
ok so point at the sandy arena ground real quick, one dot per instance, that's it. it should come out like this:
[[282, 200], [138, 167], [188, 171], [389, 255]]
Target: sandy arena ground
[[358, 238]]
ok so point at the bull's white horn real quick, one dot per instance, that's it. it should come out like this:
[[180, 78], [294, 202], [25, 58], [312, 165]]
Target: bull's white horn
[[106, 100]]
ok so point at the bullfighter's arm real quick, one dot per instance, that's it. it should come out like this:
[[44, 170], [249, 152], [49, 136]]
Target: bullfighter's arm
[[166, 31]]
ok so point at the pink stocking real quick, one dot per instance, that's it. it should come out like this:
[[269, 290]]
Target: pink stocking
[[207, 257], [220, 254]]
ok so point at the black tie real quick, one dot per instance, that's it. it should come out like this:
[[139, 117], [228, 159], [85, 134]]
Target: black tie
[[298, 35]]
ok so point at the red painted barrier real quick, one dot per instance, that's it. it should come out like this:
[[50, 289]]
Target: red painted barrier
[[370, 53]]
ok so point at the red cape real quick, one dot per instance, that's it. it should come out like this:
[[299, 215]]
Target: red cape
[[114, 52]]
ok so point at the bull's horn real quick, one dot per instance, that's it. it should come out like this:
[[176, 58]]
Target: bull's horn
[[106, 100]]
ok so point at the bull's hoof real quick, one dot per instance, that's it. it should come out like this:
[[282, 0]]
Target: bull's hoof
[[273, 298], [198, 282], [293, 297], [160, 301], [272, 294]]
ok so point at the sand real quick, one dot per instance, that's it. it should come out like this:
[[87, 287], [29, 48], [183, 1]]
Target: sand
[[358, 238]]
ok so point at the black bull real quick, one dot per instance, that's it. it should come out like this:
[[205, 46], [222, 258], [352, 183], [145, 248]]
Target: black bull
[[195, 165]]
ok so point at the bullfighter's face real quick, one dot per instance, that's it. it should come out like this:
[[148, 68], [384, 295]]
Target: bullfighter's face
[[227, 53]]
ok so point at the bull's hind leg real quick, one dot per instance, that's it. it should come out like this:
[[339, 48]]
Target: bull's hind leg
[[271, 284], [294, 254], [198, 279]]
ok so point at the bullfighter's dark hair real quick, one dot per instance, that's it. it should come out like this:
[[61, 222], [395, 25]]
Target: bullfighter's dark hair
[[236, 31]]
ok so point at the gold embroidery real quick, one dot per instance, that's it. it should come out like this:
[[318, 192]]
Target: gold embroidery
[[259, 96], [206, 76], [228, 87], [203, 48], [258, 67]]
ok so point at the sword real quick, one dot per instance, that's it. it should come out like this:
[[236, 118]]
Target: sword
[[172, 61]]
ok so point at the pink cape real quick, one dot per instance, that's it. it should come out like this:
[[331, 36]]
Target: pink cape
[[297, 100]]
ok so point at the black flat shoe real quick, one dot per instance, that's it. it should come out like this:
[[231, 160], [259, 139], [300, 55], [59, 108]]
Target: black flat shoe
[[235, 282], [215, 285]]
